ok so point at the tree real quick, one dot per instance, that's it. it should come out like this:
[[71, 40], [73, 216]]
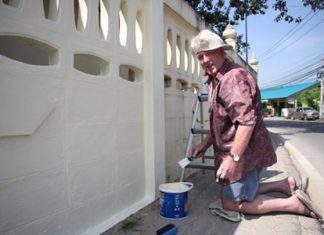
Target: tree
[[309, 98], [216, 13]]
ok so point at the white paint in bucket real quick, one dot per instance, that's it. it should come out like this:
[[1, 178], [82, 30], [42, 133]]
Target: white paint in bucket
[[174, 199]]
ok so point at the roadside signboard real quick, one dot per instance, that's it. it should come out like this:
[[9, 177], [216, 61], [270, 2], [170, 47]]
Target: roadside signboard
[[291, 100]]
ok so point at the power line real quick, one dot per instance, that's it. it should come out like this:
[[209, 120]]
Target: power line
[[303, 77], [307, 66], [306, 63], [284, 38], [291, 44], [305, 73], [275, 48]]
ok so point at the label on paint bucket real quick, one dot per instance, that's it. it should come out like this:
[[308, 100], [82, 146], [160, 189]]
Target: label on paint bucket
[[174, 200]]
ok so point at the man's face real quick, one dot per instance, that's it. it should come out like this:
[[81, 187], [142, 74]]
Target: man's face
[[211, 61]]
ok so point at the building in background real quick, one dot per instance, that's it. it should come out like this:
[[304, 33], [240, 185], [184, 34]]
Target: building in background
[[284, 97]]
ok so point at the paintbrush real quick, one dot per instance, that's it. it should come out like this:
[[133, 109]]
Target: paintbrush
[[185, 162]]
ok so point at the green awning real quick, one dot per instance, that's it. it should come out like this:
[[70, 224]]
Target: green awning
[[286, 91]]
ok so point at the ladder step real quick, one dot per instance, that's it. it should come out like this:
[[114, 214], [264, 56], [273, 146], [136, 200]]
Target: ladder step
[[199, 131], [200, 166], [205, 165], [209, 157], [205, 156], [203, 98]]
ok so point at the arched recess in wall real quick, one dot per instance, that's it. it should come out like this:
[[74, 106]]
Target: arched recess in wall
[[139, 32], [104, 18], [193, 64], [130, 73], [27, 50], [182, 85], [90, 64], [123, 23], [12, 3], [195, 88], [51, 9], [169, 47], [186, 56], [80, 14], [178, 51], [167, 81]]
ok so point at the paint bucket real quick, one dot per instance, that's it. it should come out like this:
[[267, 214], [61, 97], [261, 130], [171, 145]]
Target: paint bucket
[[174, 199]]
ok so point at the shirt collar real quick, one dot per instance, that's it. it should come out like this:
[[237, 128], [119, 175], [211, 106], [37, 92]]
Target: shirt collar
[[224, 69], [220, 74]]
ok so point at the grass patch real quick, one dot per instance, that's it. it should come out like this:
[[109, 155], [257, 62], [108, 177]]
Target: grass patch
[[129, 224]]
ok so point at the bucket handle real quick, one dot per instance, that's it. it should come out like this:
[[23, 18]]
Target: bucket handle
[[189, 185]]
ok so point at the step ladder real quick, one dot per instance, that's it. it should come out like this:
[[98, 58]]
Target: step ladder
[[199, 163]]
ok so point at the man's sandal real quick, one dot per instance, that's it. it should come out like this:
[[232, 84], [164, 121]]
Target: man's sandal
[[303, 184], [309, 207]]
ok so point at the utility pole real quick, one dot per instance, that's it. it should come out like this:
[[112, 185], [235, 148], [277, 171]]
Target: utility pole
[[320, 75], [246, 34]]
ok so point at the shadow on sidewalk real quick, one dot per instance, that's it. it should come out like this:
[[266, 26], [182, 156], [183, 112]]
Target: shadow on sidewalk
[[200, 221]]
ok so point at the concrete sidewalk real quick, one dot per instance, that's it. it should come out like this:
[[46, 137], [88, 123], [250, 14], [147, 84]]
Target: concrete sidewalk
[[199, 220], [305, 167]]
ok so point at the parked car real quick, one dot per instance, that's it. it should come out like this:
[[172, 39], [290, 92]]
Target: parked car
[[305, 113]]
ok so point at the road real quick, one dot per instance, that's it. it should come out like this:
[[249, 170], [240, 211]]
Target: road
[[306, 136]]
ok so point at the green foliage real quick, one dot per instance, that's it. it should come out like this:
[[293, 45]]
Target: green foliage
[[310, 98], [130, 224], [216, 13], [314, 4], [281, 6]]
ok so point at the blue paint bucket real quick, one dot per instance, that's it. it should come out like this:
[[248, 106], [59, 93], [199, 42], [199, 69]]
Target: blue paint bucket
[[174, 199]]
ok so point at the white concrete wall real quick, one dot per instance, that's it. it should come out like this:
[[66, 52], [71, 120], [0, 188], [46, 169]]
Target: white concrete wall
[[78, 151], [180, 25], [87, 129]]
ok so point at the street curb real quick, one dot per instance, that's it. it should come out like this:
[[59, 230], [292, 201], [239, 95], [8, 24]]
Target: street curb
[[305, 168]]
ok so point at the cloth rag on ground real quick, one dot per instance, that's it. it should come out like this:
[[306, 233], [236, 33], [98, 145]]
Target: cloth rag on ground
[[216, 208]]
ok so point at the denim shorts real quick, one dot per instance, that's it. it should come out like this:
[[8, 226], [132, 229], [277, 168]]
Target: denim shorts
[[245, 189]]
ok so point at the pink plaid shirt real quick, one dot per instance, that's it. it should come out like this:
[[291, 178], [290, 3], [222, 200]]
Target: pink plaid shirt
[[234, 99]]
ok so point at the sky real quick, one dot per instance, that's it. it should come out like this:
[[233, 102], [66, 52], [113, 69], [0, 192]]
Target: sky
[[285, 50]]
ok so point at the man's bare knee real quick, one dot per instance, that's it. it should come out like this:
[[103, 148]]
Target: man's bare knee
[[231, 205]]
